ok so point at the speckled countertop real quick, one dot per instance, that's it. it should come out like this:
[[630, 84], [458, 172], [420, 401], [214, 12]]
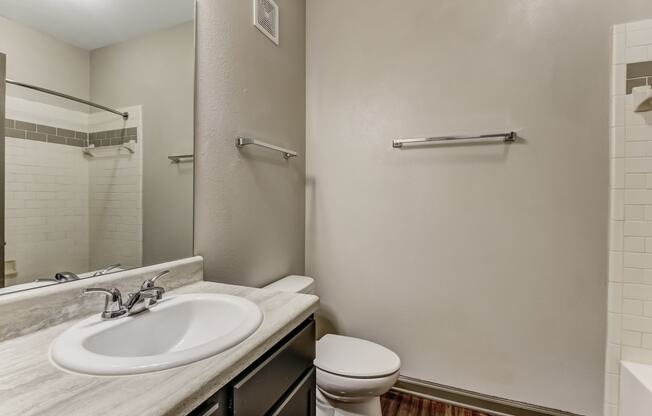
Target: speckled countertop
[[31, 385]]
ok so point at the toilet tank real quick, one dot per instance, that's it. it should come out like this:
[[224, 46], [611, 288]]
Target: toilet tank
[[294, 284]]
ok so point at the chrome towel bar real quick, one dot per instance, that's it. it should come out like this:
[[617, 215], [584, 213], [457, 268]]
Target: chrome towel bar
[[88, 151], [506, 137], [243, 141], [181, 158]]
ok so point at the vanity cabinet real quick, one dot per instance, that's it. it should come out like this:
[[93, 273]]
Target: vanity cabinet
[[279, 383]]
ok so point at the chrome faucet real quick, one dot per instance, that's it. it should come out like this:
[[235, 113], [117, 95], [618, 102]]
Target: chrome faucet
[[140, 301], [61, 277], [106, 270], [137, 302]]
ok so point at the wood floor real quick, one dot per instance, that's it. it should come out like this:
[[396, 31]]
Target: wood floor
[[400, 404]]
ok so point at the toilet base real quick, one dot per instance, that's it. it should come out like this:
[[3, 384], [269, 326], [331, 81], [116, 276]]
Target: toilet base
[[329, 407]]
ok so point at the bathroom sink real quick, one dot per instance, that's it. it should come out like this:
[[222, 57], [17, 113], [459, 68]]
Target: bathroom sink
[[179, 330]]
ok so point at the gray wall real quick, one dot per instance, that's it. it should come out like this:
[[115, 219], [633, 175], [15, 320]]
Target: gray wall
[[156, 71], [40, 59], [484, 267], [3, 92], [249, 205]]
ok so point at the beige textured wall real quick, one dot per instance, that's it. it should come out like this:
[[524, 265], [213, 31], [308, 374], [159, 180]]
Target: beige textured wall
[[156, 71], [482, 266], [40, 59], [249, 204]]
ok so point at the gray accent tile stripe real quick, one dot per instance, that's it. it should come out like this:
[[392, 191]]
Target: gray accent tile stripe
[[46, 129], [639, 70], [18, 134], [75, 142], [40, 137], [65, 132], [113, 137], [56, 139], [23, 125], [43, 133]]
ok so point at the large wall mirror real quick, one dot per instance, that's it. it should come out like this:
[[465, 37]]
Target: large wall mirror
[[98, 143]]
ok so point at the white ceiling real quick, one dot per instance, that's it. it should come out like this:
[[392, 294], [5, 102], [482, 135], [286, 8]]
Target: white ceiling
[[92, 24]]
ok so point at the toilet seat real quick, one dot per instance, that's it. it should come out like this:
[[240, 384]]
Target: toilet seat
[[351, 389], [355, 358]]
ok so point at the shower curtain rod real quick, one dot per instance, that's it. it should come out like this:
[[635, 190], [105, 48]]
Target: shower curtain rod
[[124, 115]]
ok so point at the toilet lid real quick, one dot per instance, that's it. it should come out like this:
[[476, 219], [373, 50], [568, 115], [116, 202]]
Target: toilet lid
[[355, 357]]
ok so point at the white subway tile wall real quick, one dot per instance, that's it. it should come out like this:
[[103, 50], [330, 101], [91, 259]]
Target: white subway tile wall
[[46, 215], [115, 208], [66, 211], [629, 332]]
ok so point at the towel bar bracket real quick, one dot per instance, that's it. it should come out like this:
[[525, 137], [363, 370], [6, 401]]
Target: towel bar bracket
[[243, 141]]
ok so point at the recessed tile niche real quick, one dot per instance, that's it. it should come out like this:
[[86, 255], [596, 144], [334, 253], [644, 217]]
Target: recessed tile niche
[[638, 75]]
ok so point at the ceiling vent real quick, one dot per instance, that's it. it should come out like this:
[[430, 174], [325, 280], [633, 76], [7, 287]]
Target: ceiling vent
[[266, 18]]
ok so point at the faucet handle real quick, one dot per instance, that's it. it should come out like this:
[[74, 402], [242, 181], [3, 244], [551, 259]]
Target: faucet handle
[[157, 292], [161, 274], [114, 294], [150, 283], [106, 270], [113, 307]]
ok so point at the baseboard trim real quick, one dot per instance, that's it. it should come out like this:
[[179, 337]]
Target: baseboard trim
[[476, 401]]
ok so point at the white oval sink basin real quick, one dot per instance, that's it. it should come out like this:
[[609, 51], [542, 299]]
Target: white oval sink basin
[[179, 330]]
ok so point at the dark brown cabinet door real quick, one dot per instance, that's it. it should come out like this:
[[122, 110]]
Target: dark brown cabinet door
[[301, 401], [260, 389], [280, 383]]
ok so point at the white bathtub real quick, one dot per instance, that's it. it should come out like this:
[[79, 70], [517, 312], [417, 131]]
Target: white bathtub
[[635, 389]]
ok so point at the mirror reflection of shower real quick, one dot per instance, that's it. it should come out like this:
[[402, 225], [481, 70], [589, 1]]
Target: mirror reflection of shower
[[73, 190], [79, 196]]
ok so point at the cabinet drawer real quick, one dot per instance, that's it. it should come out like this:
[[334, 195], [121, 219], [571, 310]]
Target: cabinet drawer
[[301, 400], [266, 382], [216, 405]]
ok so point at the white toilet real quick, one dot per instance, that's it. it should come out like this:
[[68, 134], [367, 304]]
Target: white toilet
[[352, 373]]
